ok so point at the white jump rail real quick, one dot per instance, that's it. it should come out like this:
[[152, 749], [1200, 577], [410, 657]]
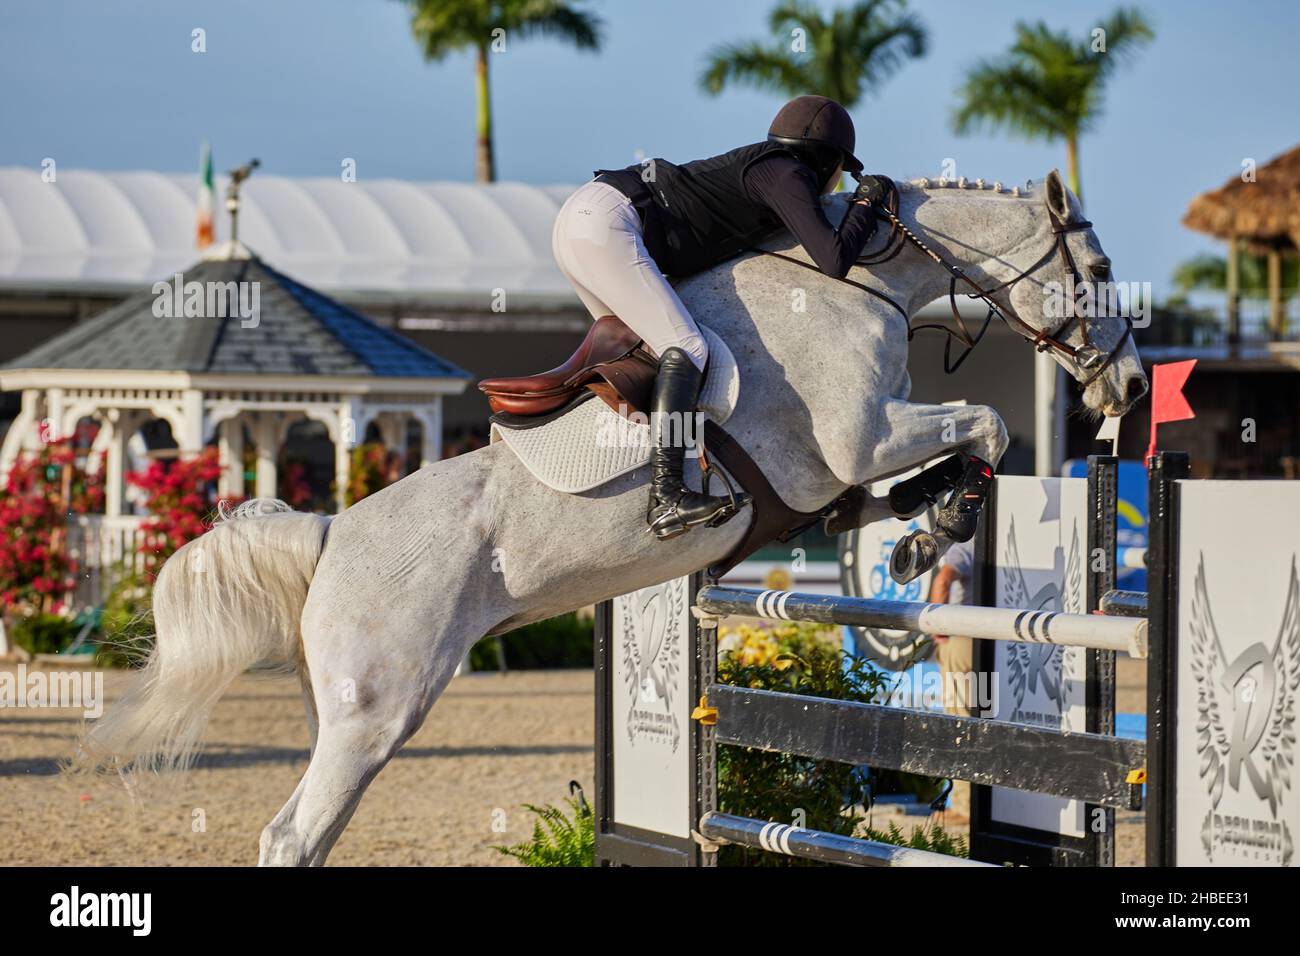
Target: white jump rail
[[1131, 558], [986, 623], [820, 845]]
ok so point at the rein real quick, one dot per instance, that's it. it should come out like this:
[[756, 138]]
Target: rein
[[1087, 356]]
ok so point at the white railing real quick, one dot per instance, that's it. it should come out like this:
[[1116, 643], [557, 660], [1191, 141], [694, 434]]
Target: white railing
[[105, 550]]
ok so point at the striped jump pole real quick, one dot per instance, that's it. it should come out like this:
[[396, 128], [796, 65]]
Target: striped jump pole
[[986, 623], [818, 844]]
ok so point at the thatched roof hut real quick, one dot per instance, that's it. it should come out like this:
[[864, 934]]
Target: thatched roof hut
[[1262, 216], [1265, 214]]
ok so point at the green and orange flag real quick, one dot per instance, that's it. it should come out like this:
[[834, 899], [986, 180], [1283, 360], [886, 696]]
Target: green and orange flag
[[207, 198]]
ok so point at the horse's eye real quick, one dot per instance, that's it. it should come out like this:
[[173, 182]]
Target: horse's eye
[[1100, 270]]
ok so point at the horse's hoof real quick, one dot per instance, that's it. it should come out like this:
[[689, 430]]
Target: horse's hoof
[[914, 554]]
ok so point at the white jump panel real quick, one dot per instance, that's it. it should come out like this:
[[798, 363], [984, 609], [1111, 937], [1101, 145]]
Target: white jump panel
[[651, 708], [1238, 674], [1041, 541]]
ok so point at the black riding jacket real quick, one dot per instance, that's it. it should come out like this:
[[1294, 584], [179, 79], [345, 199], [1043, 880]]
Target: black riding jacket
[[701, 213]]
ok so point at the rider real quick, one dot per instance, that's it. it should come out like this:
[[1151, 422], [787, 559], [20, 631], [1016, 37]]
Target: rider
[[620, 235]]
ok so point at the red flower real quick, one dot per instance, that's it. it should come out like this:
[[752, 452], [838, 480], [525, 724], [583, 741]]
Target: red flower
[[43, 489], [178, 494]]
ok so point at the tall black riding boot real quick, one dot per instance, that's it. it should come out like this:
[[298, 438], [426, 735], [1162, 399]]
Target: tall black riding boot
[[675, 509]]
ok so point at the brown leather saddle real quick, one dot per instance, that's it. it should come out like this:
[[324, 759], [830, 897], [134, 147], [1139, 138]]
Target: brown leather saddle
[[615, 364], [612, 361]]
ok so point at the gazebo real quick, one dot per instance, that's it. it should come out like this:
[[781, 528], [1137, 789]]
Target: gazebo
[[229, 351], [1262, 216]]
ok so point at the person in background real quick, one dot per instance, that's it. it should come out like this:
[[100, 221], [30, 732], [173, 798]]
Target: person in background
[[953, 584]]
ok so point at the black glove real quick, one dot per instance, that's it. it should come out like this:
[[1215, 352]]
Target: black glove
[[873, 189]]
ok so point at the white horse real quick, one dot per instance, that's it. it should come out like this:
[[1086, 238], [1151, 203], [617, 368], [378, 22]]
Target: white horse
[[374, 608]]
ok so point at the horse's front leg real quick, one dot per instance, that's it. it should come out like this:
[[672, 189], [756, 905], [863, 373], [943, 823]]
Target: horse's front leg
[[969, 438], [856, 508]]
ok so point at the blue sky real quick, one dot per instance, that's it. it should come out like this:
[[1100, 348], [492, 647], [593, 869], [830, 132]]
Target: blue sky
[[304, 83]]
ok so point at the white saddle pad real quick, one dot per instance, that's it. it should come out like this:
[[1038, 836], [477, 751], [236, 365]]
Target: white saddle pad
[[593, 444]]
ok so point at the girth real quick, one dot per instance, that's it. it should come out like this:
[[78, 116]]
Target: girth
[[770, 518]]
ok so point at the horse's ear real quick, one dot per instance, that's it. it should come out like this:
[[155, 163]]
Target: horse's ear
[[1058, 197]]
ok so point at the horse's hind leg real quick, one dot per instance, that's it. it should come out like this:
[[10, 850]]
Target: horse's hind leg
[[306, 828], [369, 701], [309, 702]]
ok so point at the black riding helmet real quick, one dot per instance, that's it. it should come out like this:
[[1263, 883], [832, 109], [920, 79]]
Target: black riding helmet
[[820, 131]]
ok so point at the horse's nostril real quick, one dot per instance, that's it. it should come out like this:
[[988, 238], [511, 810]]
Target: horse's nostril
[[1137, 387]]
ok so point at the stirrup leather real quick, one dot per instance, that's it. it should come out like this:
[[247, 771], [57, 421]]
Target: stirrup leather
[[669, 523], [707, 471]]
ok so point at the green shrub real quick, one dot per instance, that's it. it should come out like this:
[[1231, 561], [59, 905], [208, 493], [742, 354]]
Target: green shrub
[[564, 641], [43, 633], [932, 837], [558, 839], [126, 626], [805, 659], [793, 659]]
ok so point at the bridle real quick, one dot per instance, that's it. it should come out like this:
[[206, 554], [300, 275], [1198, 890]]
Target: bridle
[[1087, 356]]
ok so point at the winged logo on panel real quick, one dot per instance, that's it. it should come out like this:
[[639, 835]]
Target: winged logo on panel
[[1032, 669], [1245, 730]]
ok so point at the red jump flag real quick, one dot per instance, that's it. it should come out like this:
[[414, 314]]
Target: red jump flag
[[1168, 404]]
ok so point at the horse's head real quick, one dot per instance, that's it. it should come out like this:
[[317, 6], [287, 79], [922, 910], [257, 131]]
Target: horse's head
[[1068, 304]]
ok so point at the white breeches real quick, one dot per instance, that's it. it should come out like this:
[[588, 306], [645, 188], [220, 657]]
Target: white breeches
[[599, 247]]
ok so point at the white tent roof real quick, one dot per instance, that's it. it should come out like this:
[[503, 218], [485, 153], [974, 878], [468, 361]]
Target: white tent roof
[[93, 230]]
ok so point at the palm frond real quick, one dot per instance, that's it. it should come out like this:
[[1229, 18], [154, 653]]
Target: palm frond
[[1047, 85], [1002, 94], [753, 65], [1126, 31], [560, 21], [853, 52], [788, 14], [441, 27], [883, 51]]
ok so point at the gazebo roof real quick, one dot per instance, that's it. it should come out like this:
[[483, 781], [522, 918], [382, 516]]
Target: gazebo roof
[[299, 332], [1265, 213]]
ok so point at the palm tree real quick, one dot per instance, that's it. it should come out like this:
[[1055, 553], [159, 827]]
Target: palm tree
[[850, 54], [445, 26], [1049, 86], [1210, 272]]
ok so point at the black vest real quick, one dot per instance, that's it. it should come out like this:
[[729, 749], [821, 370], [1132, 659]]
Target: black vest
[[698, 214]]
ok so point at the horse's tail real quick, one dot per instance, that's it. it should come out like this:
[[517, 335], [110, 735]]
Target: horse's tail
[[227, 601]]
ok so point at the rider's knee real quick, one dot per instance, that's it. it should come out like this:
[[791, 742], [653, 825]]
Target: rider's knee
[[695, 347], [997, 438], [991, 432]]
